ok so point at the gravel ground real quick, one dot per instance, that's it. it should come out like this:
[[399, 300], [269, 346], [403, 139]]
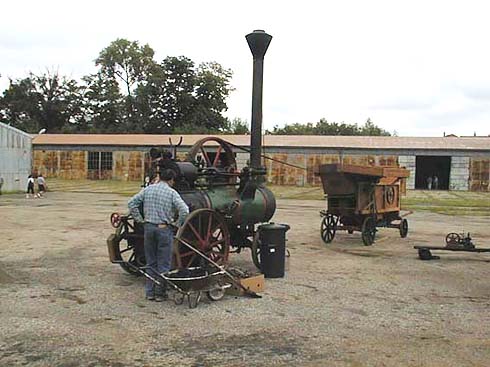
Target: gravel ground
[[63, 304]]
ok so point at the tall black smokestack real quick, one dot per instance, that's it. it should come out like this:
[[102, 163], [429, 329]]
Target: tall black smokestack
[[258, 41]]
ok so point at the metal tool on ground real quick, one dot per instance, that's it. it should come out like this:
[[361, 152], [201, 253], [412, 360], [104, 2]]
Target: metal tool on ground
[[188, 283], [248, 292], [454, 242]]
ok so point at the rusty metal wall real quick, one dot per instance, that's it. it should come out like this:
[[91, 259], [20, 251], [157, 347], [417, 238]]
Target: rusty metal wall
[[128, 165], [45, 162], [479, 174], [280, 174], [70, 165], [67, 164]]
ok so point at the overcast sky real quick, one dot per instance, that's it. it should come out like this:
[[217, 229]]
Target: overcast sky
[[419, 68]]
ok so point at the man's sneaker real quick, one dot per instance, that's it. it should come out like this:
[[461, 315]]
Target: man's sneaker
[[161, 297], [150, 297]]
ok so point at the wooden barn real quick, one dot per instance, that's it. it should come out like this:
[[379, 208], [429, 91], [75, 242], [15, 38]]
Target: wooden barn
[[459, 163]]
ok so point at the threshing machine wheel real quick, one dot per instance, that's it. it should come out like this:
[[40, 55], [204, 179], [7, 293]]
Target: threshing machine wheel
[[328, 227], [128, 251], [205, 230], [403, 228], [453, 239], [368, 231], [215, 153]]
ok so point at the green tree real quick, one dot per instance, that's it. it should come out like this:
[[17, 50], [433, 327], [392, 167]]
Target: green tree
[[127, 62], [104, 106], [130, 92], [213, 87], [369, 128], [236, 126], [180, 98], [47, 101], [130, 64], [323, 127]]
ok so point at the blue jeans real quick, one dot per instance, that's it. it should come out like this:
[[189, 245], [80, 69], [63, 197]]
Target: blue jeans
[[158, 254]]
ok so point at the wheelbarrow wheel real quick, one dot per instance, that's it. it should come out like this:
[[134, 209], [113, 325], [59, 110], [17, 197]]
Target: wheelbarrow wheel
[[179, 298], [368, 231], [328, 228], [403, 228], [256, 251], [193, 299], [215, 294]]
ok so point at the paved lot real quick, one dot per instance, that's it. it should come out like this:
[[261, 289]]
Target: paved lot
[[63, 304]]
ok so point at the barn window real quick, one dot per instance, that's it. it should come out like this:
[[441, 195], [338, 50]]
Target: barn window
[[93, 160], [99, 165], [106, 161]]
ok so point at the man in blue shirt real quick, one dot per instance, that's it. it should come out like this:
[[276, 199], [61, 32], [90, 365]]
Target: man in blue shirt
[[160, 203]]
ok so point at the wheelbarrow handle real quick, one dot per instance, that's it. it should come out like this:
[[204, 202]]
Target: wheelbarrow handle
[[236, 282]]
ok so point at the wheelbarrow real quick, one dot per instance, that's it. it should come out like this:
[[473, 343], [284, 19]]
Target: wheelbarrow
[[191, 283]]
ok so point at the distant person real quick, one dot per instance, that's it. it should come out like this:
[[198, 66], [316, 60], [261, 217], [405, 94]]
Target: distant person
[[435, 182], [1, 184], [429, 183], [41, 185], [147, 181], [30, 187]]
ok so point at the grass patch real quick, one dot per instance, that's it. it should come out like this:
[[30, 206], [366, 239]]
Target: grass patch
[[442, 202], [296, 192], [448, 202]]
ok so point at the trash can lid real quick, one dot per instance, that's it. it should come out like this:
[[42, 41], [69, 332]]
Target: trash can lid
[[274, 226]]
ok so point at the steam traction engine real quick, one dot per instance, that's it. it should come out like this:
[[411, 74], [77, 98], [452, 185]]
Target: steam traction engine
[[225, 204]]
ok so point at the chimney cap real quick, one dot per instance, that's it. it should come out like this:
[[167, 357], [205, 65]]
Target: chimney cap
[[258, 41]]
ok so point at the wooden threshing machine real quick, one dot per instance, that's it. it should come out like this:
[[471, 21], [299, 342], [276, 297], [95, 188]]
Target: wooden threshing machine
[[362, 198]]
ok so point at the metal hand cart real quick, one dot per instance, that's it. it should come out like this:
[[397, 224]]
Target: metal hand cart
[[210, 278]]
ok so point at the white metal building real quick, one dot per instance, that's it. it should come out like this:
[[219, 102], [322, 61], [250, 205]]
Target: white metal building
[[15, 158]]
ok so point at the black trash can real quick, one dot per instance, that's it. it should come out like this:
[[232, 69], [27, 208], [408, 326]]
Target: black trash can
[[272, 243]]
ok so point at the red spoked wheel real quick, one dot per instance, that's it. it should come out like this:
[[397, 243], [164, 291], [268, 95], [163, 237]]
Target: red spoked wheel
[[205, 230], [115, 220], [213, 152]]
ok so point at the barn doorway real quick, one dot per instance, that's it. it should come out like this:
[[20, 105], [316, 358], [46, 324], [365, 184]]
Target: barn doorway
[[432, 166]]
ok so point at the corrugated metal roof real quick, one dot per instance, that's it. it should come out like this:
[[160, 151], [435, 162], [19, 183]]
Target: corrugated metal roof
[[296, 141]]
